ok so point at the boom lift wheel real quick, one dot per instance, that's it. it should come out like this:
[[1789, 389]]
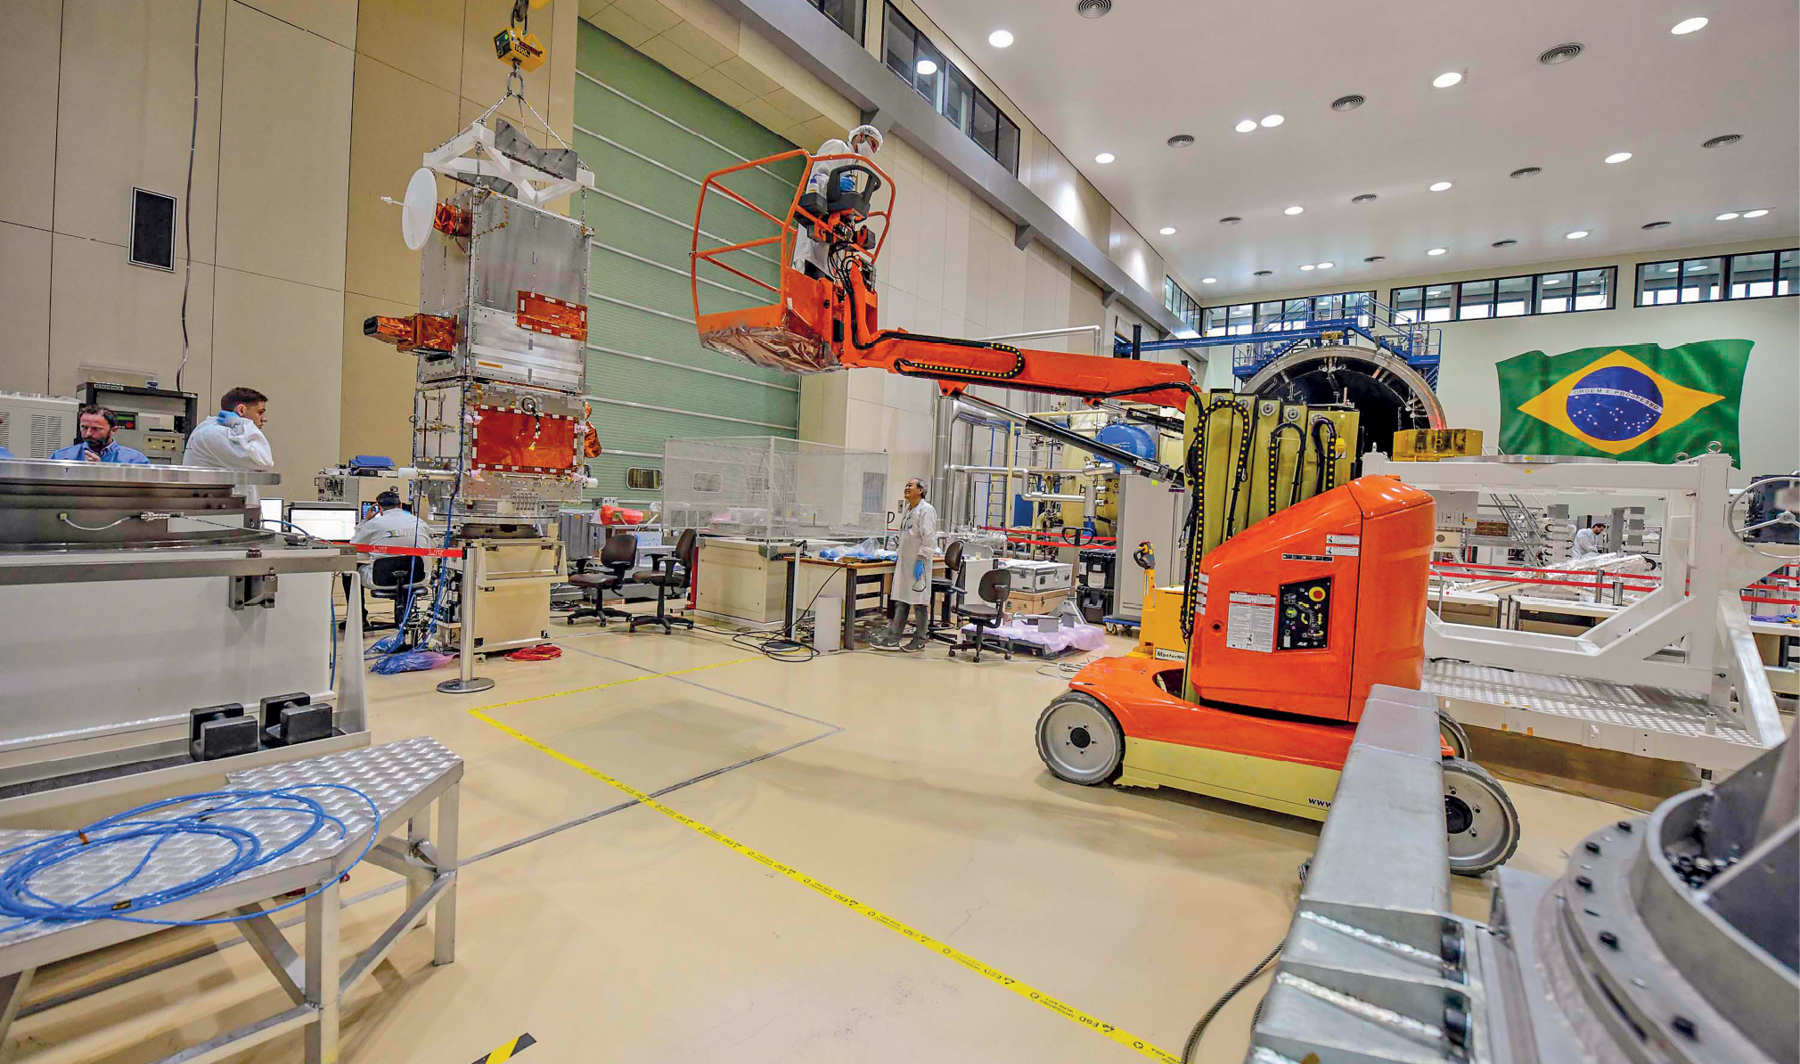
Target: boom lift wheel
[[1080, 740], [1453, 734], [1482, 825]]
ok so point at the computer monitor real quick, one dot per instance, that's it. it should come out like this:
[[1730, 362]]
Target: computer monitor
[[324, 520], [271, 513]]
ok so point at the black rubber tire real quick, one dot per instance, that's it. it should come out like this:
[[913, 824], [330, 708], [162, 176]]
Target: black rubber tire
[[1467, 782], [1104, 772], [1457, 737]]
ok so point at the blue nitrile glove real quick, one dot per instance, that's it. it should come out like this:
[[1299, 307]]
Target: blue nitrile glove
[[918, 569]]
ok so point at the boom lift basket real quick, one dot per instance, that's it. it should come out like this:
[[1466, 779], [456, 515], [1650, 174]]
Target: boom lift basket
[[784, 319]]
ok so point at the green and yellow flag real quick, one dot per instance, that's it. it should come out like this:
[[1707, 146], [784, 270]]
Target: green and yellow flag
[[1640, 402]]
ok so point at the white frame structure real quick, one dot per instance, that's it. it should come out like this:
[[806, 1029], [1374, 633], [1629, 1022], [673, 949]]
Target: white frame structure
[[535, 187], [1616, 686]]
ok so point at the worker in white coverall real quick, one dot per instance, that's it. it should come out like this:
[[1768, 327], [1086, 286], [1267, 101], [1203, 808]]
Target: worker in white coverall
[[864, 141], [1588, 542], [912, 572], [233, 438]]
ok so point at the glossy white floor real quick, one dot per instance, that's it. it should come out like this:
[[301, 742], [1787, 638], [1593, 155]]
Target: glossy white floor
[[611, 932]]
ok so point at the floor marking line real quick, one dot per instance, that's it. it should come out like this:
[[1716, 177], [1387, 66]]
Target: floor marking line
[[714, 690], [510, 1049], [614, 683], [988, 972]]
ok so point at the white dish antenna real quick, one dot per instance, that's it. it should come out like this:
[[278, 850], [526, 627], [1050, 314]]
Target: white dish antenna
[[418, 209]]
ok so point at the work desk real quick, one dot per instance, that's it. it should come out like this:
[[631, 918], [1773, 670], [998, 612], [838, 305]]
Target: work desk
[[864, 585]]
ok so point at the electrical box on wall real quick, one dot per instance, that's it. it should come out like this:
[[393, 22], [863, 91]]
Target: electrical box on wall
[[152, 230]]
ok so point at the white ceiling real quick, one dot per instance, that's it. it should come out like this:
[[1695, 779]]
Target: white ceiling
[[1154, 68]]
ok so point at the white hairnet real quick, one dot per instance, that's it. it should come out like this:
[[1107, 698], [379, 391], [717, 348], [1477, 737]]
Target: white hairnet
[[866, 131]]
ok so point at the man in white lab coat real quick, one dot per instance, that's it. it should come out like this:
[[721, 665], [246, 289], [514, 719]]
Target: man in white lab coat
[[233, 438], [1588, 542], [864, 141]]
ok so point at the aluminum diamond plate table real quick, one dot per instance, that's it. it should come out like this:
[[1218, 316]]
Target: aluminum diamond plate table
[[407, 780]]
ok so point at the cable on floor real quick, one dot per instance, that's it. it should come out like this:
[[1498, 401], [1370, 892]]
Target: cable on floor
[[541, 652], [22, 896], [1193, 1039], [775, 645]]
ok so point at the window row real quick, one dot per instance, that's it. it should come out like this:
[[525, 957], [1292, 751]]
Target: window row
[[922, 65], [1180, 304], [1756, 275], [1285, 315], [848, 14], [1507, 297]]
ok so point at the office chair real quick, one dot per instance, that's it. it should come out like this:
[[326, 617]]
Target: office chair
[[949, 586], [397, 579], [988, 611], [617, 555], [678, 574]]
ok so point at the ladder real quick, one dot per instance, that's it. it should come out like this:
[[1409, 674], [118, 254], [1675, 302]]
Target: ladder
[[1522, 528]]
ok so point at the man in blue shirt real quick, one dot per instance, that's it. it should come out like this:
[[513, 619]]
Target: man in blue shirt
[[96, 443]]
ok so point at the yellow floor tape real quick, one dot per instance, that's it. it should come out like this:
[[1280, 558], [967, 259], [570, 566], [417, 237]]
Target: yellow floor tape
[[614, 683], [510, 1050], [992, 974]]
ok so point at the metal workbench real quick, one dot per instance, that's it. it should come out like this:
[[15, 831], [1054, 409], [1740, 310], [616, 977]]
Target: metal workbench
[[406, 780]]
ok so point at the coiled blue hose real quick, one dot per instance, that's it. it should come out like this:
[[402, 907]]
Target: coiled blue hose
[[20, 896]]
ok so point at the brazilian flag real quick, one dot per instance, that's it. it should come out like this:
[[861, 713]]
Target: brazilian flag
[[1640, 402]]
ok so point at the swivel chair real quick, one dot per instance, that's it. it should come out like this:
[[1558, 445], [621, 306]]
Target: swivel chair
[[397, 579], [987, 612], [617, 555], [678, 573], [949, 586]]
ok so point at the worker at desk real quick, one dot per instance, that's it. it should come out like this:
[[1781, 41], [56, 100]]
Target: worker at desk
[[392, 526], [912, 572], [95, 443]]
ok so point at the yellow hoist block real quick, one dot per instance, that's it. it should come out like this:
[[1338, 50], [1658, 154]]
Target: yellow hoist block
[[513, 45], [1431, 445]]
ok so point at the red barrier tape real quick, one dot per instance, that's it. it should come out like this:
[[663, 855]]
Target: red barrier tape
[[1033, 531], [416, 552]]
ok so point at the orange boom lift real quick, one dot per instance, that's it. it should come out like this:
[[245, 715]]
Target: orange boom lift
[[1290, 623]]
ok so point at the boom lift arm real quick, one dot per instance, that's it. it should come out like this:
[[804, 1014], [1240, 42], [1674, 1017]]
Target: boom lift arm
[[825, 319]]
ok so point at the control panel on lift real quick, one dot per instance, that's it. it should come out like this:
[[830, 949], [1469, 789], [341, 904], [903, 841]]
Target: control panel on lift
[[1305, 615]]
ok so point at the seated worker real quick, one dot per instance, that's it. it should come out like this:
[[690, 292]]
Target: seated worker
[[392, 526], [95, 443]]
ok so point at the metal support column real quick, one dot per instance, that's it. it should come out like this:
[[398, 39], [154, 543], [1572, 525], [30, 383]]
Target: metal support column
[[322, 919], [466, 681]]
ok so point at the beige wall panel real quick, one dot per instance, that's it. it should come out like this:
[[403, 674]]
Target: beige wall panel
[[27, 123], [284, 151], [622, 26], [744, 72], [483, 76], [704, 46], [710, 19], [24, 308], [665, 51], [106, 312], [656, 16], [421, 37], [397, 119], [377, 385], [561, 114], [334, 20], [283, 339], [469, 110], [126, 112], [722, 88]]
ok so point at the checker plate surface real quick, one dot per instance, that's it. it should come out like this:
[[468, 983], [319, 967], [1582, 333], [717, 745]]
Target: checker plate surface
[[391, 774], [1651, 709]]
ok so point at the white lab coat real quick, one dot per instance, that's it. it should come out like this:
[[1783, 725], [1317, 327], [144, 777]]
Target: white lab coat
[[229, 441], [392, 528], [918, 530], [1587, 544], [805, 247]]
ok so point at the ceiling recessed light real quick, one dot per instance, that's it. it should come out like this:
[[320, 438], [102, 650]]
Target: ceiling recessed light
[[1103, 158], [1553, 280], [1230, 219], [1688, 25], [1347, 103], [1209, 280], [1618, 157], [1180, 140], [1309, 266], [1295, 210], [1445, 80], [1437, 251], [1673, 267], [1727, 216], [1757, 213], [1367, 197], [1440, 186], [1562, 53], [1271, 121], [1376, 258], [1247, 125], [1093, 8], [925, 67], [1167, 230], [1326, 265], [1000, 39], [1654, 225], [1263, 273], [1503, 243], [1526, 171], [1720, 142], [1575, 234]]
